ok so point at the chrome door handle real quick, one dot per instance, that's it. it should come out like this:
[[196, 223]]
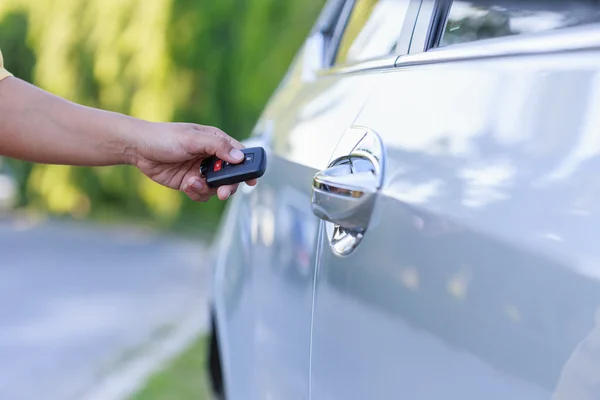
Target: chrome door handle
[[344, 194], [344, 197]]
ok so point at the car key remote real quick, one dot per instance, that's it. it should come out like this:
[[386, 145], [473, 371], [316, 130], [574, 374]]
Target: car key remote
[[218, 172]]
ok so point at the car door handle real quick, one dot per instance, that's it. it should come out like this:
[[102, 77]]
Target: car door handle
[[344, 197]]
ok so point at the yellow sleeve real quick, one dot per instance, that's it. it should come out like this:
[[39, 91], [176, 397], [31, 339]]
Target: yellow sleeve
[[3, 73]]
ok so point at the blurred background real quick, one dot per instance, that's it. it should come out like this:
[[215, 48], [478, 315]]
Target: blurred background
[[101, 275], [209, 62]]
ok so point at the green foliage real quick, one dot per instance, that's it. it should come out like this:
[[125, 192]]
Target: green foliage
[[210, 62], [184, 378]]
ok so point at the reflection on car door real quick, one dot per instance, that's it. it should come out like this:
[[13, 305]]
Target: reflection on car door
[[478, 275], [284, 231], [303, 123], [266, 315]]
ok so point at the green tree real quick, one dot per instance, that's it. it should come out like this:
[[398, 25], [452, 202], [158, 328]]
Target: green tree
[[210, 62]]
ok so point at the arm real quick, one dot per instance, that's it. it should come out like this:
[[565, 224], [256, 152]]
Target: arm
[[40, 127]]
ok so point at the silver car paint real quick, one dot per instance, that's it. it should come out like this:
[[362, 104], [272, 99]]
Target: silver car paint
[[266, 248], [478, 275]]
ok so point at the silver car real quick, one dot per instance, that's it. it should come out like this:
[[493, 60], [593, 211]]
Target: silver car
[[429, 223]]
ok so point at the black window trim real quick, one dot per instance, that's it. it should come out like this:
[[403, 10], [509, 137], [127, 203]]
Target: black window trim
[[431, 23], [573, 39], [430, 16], [330, 27], [441, 9]]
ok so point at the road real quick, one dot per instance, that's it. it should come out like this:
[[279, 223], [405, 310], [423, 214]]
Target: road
[[77, 301]]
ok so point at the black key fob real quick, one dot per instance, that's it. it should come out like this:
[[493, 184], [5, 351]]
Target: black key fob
[[218, 172]]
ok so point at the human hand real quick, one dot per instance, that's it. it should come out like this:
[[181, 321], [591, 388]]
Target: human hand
[[171, 153]]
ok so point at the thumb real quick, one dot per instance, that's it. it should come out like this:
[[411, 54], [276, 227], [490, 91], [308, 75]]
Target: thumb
[[230, 154], [220, 145]]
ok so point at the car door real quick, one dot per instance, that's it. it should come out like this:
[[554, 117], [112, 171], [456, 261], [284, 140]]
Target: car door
[[267, 246], [465, 266]]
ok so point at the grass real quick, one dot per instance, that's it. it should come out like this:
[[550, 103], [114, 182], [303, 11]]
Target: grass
[[184, 378]]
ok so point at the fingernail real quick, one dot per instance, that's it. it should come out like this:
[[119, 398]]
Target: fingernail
[[197, 185], [192, 184], [236, 154]]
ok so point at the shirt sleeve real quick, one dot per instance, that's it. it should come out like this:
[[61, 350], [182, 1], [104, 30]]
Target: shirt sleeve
[[3, 73]]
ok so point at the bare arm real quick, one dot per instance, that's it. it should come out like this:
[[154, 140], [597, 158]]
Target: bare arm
[[40, 127]]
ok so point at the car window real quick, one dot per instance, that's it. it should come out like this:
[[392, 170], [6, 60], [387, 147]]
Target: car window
[[469, 21], [372, 30]]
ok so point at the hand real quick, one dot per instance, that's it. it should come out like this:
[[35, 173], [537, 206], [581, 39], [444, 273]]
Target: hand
[[171, 154]]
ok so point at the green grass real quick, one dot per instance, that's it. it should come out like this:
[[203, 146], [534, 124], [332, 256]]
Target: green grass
[[184, 378]]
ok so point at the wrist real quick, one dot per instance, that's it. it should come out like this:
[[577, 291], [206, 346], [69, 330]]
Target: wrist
[[131, 139]]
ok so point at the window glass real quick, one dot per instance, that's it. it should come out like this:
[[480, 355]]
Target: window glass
[[469, 21], [373, 30]]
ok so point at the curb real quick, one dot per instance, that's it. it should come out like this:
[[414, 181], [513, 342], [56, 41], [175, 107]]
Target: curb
[[127, 380]]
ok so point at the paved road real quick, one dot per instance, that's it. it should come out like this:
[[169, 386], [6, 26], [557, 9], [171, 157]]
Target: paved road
[[76, 301]]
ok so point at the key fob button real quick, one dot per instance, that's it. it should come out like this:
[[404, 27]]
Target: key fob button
[[218, 164], [249, 158]]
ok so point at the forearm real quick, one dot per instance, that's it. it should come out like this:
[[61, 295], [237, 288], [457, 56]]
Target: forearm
[[40, 127]]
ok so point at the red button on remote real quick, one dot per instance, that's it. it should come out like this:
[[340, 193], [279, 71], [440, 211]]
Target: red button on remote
[[218, 164]]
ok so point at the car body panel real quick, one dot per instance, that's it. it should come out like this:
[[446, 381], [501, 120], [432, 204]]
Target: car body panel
[[478, 274], [266, 250], [477, 277]]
